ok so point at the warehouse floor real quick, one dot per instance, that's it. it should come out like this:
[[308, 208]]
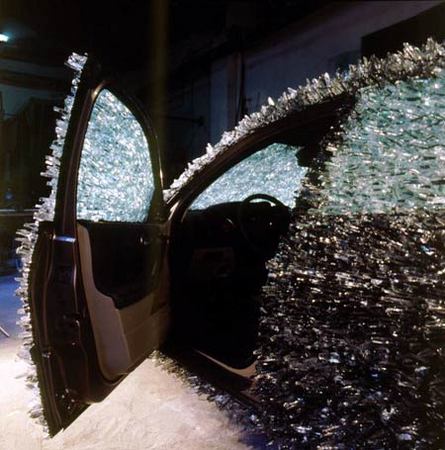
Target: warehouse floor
[[151, 409]]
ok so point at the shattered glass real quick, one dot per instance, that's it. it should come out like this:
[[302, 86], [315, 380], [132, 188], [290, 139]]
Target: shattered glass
[[393, 152], [273, 170], [115, 177], [352, 331], [27, 238], [410, 63], [352, 334]]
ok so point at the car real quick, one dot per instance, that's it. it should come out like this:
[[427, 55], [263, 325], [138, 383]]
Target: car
[[297, 263]]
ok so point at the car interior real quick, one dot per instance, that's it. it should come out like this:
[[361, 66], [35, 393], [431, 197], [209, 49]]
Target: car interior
[[219, 271], [220, 251], [223, 239]]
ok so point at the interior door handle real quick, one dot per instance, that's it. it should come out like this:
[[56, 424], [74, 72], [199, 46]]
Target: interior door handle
[[144, 240]]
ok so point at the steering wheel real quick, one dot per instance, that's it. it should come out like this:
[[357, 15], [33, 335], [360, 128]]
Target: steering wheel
[[261, 228]]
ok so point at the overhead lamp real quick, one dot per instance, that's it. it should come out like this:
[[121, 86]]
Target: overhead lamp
[[4, 37]]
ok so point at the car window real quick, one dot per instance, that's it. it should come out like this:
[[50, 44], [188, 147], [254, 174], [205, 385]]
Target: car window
[[115, 181], [273, 170], [391, 157]]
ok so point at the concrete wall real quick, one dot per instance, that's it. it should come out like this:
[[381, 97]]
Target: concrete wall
[[15, 97], [319, 43]]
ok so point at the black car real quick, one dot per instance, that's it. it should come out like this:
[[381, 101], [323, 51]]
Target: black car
[[342, 180]]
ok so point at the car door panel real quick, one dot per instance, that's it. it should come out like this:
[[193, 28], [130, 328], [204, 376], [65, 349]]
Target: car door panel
[[121, 334], [121, 256]]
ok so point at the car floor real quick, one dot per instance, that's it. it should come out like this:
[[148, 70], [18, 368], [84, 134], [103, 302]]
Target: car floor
[[150, 409]]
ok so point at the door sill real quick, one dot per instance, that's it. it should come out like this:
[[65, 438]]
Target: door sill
[[247, 372]]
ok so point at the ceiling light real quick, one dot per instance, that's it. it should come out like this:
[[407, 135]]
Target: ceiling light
[[4, 37]]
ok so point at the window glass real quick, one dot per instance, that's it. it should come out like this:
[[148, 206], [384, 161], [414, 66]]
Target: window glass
[[392, 155], [115, 175], [273, 170]]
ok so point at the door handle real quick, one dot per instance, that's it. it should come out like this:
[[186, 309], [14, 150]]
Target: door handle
[[144, 240]]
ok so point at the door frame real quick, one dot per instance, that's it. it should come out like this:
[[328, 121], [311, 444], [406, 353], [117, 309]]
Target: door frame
[[64, 345], [93, 80]]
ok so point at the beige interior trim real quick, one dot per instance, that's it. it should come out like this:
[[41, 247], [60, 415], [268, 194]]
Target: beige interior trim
[[122, 336], [246, 372]]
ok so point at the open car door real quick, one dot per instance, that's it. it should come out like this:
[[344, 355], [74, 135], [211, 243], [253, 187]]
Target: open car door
[[95, 281]]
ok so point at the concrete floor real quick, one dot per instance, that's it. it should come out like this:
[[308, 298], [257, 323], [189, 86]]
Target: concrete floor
[[150, 409]]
